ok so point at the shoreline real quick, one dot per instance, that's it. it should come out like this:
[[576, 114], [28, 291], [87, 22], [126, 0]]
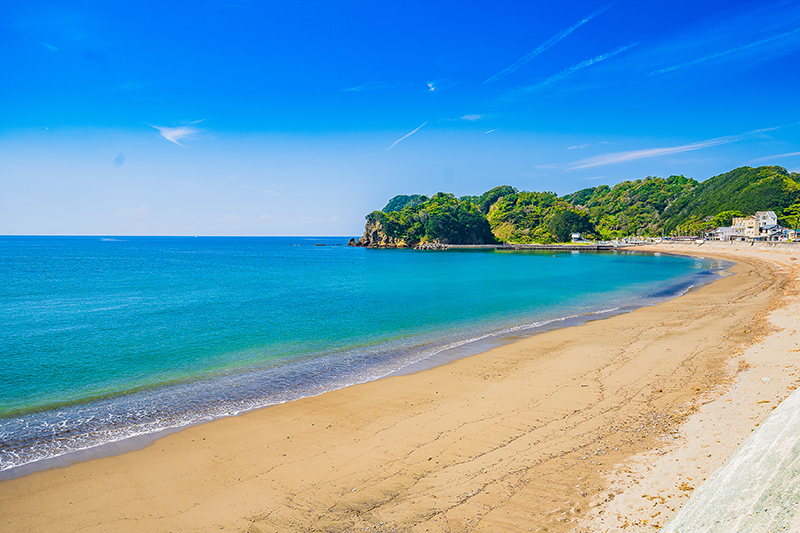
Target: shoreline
[[443, 352], [444, 357], [415, 451], [651, 487]]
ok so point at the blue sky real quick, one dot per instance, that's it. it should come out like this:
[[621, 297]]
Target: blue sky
[[262, 118]]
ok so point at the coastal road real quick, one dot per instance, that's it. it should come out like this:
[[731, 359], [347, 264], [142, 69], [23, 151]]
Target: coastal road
[[758, 489]]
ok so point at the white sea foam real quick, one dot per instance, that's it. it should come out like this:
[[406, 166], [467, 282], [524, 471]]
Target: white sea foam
[[33, 438]]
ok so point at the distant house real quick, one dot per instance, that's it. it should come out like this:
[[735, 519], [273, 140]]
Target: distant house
[[576, 237], [745, 227], [725, 234], [763, 226], [767, 218], [772, 232]]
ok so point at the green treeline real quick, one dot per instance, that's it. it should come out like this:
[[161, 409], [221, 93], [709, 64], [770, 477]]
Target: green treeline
[[442, 218], [645, 207]]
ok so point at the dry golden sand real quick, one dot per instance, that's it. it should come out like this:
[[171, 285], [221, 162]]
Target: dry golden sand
[[651, 486], [539, 435]]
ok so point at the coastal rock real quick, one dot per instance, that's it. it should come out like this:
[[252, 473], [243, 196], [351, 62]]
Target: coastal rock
[[438, 221], [375, 237], [431, 246]]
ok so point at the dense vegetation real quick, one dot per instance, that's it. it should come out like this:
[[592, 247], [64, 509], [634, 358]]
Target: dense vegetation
[[527, 217], [401, 200], [745, 189], [442, 218], [632, 207], [646, 207]]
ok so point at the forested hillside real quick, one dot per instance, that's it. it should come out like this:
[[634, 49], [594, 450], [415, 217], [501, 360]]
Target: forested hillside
[[745, 189], [645, 207], [442, 218], [632, 207]]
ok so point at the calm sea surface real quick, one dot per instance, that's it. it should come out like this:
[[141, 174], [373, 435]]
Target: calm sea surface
[[107, 338]]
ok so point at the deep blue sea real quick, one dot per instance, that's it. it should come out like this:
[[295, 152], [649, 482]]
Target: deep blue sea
[[105, 338]]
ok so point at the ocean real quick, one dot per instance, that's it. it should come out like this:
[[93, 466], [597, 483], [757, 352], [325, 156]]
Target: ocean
[[107, 338]]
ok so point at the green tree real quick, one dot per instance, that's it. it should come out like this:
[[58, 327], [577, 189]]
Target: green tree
[[791, 216], [442, 218], [725, 218], [568, 221], [632, 207], [401, 200], [487, 199], [649, 206], [744, 189]]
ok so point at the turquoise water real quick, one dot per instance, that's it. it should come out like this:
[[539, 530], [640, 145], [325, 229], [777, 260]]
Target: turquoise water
[[105, 338]]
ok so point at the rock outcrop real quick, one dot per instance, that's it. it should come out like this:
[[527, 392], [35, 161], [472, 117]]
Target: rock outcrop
[[440, 220], [375, 237], [432, 246]]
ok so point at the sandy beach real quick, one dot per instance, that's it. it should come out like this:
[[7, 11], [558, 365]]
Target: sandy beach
[[651, 486], [607, 426]]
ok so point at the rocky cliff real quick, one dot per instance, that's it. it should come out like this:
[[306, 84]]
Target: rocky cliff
[[375, 237]]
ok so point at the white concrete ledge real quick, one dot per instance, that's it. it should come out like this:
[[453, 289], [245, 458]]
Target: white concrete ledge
[[758, 489]]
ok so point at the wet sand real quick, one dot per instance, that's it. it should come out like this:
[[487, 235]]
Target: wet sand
[[541, 435]]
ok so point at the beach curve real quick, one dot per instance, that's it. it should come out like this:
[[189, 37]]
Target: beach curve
[[523, 437], [724, 438]]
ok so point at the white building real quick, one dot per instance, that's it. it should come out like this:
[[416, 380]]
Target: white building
[[763, 226], [766, 218], [745, 228], [771, 233], [725, 234]]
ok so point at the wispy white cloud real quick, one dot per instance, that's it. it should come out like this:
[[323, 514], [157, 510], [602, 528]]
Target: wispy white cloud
[[472, 117], [437, 85], [723, 53], [232, 217], [406, 136], [50, 47], [726, 41], [623, 157], [370, 86], [177, 133], [575, 68], [776, 156], [546, 45], [594, 178], [581, 146], [490, 131]]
